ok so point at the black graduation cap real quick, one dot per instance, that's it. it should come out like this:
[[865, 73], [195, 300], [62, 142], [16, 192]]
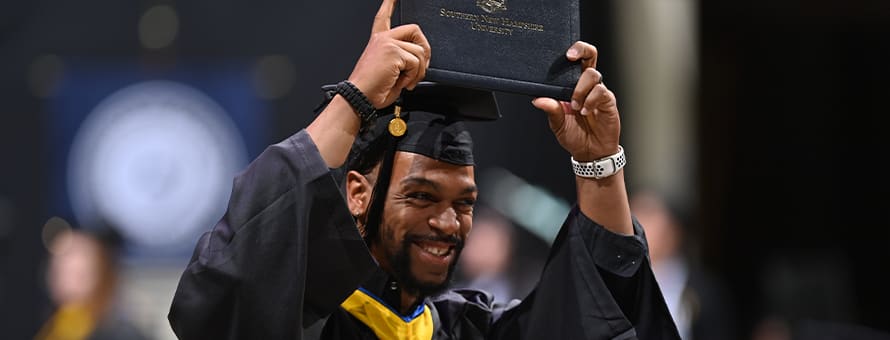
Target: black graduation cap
[[435, 115], [460, 103]]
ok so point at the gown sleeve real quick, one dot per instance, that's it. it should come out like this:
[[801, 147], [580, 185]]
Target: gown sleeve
[[283, 257], [596, 285]]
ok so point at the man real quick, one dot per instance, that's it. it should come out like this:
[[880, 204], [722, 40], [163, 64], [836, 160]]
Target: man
[[698, 301], [295, 257]]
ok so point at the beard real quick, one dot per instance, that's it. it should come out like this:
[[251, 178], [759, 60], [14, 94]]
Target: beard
[[400, 261]]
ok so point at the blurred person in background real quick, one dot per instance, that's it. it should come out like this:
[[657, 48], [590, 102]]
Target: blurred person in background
[[698, 301], [485, 261], [82, 278]]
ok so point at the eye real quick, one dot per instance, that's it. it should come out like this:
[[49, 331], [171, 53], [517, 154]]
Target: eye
[[465, 205], [422, 196]]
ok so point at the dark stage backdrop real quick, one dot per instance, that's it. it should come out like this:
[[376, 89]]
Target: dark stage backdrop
[[793, 124], [791, 129]]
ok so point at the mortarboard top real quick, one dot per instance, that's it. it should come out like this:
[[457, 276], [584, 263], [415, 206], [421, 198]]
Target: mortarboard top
[[460, 103]]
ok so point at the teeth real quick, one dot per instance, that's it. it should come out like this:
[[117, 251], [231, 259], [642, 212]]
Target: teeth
[[436, 251]]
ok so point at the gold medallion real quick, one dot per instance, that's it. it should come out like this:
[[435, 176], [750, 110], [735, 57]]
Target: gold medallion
[[397, 126]]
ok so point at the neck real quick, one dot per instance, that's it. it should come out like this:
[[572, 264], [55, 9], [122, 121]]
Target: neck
[[408, 302], [394, 292]]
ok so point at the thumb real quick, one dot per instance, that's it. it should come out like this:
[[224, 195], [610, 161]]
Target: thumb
[[549, 105], [554, 109]]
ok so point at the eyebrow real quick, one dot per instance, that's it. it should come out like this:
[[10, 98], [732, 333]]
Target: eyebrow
[[415, 180]]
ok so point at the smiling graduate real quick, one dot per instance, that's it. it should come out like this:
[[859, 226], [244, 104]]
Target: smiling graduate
[[351, 227]]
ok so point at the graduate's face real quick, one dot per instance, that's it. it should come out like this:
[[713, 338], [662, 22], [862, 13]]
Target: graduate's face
[[426, 218]]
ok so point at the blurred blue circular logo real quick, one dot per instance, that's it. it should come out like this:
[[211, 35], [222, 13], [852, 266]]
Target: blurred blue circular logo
[[154, 160]]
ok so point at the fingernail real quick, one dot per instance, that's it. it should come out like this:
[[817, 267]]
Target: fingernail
[[572, 53], [584, 111], [575, 105]]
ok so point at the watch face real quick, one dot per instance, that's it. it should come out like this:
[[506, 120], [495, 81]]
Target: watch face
[[156, 161]]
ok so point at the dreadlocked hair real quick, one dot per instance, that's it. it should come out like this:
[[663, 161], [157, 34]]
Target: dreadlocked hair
[[372, 147], [363, 158]]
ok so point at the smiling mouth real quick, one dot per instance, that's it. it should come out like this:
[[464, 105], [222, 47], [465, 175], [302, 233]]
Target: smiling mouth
[[439, 246], [436, 250]]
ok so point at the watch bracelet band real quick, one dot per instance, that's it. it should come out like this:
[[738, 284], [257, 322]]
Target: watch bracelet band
[[358, 100], [600, 168]]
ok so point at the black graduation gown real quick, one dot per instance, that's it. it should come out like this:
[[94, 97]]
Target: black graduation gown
[[287, 253]]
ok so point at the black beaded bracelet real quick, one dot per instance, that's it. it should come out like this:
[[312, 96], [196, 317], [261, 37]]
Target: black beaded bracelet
[[358, 100]]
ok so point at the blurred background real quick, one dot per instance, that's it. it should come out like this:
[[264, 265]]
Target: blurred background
[[755, 134]]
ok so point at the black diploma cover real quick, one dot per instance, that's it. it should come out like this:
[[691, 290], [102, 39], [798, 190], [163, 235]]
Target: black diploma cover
[[515, 46]]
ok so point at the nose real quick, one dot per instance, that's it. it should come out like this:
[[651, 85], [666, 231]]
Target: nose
[[445, 221]]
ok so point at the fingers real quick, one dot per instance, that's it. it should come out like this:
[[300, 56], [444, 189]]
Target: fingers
[[396, 58], [414, 53], [590, 93], [412, 71], [583, 51], [412, 33], [599, 100], [382, 19], [590, 78]]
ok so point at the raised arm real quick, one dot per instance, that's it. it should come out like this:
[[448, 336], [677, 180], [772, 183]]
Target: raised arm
[[589, 128], [394, 59], [597, 283]]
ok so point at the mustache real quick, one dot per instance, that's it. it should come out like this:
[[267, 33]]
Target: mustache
[[452, 239]]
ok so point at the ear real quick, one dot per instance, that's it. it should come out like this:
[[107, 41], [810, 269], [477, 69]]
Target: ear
[[358, 193]]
